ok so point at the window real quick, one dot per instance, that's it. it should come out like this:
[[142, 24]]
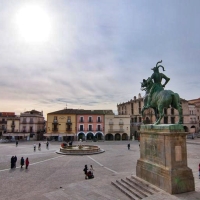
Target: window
[[139, 104], [135, 119], [132, 108], [165, 111], [172, 111], [139, 110], [81, 119], [98, 119], [98, 127], [90, 119], [173, 120], [81, 128], [90, 128], [165, 120], [140, 119]]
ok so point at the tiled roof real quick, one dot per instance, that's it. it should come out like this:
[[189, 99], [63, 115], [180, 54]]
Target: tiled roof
[[83, 112]]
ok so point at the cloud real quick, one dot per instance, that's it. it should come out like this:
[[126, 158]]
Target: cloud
[[98, 53]]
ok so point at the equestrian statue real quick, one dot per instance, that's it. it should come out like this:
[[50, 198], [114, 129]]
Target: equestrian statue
[[157, 98]]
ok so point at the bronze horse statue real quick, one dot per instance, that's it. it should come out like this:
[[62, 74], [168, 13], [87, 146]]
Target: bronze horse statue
[[161, 99]]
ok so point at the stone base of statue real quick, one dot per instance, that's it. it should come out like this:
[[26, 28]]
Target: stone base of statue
[[163, 158]]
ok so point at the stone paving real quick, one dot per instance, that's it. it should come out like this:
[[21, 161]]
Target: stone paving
[[57, 177]]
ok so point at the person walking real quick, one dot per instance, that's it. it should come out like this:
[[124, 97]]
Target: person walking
[[39, 146], [15, 161], [22, 162], [12, 162], [47, 145], [199, 170], [34, 147], [27, 163], [16, 143], [128, 146], [85, 170]]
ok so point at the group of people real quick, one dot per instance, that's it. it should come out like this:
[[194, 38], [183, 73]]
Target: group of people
[[39, 146], [88, 174], [14, 162]]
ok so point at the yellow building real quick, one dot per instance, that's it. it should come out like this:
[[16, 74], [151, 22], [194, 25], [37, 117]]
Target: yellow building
[[61, 125]]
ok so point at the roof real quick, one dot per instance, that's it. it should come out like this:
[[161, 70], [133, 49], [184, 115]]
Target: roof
[[83, 112], [195, 101]]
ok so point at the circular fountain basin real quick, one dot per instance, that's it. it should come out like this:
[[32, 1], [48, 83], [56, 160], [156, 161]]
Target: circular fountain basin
[[79, 150]]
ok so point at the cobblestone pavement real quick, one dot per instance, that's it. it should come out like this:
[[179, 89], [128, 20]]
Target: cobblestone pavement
[[57, 177]]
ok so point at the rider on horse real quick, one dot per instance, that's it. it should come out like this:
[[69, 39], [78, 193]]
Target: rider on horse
[[157, 79]]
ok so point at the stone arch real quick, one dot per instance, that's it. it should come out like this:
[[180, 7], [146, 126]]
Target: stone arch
[[99, 135], [124, 136], [109, 136], [117, 136], [81, 135], [90, 136]]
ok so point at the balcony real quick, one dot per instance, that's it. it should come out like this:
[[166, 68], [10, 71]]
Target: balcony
[[24, 122], [110, 123], [193, 122], [81, 121], [81, 129], [54, 129], [3, 122], [68, 129], [55, 121], [90, 121], [99, 129], [115, 130], [31, 122], [40, 122], [89, 129], [69, 121], [99, 121], [121, 123]]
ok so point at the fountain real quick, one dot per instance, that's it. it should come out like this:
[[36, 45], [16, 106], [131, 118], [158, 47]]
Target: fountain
[[79, 149]]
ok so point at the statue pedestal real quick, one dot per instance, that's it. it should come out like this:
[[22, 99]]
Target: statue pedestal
[[163, 158]]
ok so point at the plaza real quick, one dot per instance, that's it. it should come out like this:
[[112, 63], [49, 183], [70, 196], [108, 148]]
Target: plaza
[[53, 176]]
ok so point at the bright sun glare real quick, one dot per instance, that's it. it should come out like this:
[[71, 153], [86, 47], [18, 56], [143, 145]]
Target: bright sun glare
[[33, 24]]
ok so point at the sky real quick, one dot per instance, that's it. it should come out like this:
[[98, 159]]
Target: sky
[[94, 54]]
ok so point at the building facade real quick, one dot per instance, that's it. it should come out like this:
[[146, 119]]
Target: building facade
[[32, 124], [171, 116], [90, 124], [76, 124], [61, 125], [117, 127], [3, 121]]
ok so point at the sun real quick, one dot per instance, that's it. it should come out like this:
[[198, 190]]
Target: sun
[[33, 24]]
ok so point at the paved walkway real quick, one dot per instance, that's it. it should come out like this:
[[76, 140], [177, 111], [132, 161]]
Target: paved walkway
[[56, 177]]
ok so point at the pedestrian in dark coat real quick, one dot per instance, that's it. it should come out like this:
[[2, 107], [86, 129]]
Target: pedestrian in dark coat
[[47, 144], [16, 143], [15, 161], [27, 163], [199, 170], [12, 162], [128, 146], [22, 162], [85, 170]]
